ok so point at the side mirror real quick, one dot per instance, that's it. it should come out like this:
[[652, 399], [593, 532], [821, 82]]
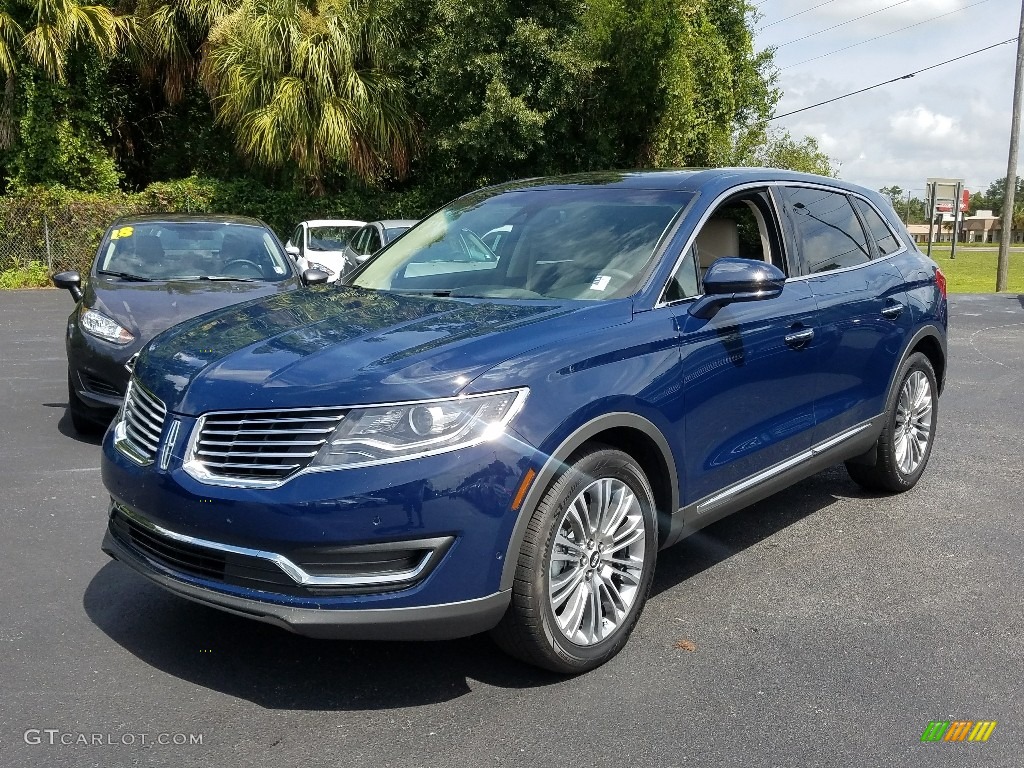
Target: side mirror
[[731, 280], [71, 282], [314, 277], [291, 250]]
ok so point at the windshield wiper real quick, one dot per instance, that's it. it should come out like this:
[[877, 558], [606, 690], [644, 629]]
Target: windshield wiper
[[125, 276], [440, 293], [182, 278]]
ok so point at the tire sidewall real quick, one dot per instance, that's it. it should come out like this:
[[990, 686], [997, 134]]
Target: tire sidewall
[[916, 362], [599, 464]]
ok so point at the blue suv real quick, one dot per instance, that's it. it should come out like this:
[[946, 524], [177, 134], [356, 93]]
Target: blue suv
[[464, 439]]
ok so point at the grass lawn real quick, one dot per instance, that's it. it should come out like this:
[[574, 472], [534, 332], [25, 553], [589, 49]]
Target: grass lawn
[[974, 270]]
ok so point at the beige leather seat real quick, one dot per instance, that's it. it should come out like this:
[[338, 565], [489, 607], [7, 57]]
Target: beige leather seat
[[717, 239]]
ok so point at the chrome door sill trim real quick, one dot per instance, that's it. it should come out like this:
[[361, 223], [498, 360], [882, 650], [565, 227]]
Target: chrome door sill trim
[[816, 450]]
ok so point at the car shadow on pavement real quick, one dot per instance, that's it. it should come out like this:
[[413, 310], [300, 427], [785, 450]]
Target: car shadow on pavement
[[750, 526], [66, 428], [278, 670]]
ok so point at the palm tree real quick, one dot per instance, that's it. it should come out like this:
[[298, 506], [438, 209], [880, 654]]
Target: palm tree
[[309, 82], [171, 37], [60, 26]]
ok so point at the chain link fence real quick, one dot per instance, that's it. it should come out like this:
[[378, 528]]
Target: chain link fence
[[58, 236]]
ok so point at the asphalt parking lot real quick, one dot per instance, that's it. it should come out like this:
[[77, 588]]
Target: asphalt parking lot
[[824, 626]]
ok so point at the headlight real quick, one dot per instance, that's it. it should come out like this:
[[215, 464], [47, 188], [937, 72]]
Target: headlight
[[103, 327], [321, 267], [387, 433]]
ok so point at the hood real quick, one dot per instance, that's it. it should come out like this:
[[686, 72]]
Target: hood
[[146, 309], [330, 346]]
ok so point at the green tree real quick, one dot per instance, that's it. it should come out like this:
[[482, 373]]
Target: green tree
[[311, 85], [779, 149], [996, 194]]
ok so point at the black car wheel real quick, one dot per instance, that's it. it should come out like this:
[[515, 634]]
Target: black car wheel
[[85, 420], [906, 441], [585, 567]]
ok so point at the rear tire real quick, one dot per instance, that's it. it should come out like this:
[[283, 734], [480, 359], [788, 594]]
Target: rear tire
[[905, 445], [585, 567]]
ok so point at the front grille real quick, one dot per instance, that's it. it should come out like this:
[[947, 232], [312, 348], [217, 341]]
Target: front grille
[[98, 386], [143, 419], [263, 445]]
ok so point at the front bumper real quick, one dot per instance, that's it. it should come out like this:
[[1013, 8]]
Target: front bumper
[[429, 622], [436, 530]]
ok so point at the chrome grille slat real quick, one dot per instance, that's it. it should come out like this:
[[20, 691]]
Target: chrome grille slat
[[282, 420], [262, 445], [144, 418], [257, 454]]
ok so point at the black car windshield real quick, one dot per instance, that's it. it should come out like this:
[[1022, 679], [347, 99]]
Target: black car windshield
[[332, 238], [592, 243], [157, 250]]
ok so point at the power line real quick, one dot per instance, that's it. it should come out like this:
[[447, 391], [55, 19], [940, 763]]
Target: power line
[[843, 24], [793, 16], [887, 34], [895, 79]]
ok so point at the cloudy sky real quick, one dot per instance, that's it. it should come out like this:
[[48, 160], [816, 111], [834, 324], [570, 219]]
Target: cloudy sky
[[953, 121]]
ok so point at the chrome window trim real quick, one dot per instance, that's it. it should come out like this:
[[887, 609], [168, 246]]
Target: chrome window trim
[[903, 246], [775, 208], [717, 499], [294, 571], [198, 471]]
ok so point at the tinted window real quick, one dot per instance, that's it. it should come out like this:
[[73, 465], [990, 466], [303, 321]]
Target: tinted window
[[830, 234], [297, 236], [373, 243], [359, 240], [572, 243], [392, 232], [880, 232], [193, 250]]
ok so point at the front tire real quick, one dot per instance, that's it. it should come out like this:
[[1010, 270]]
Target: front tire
[[85, 420], [585, 567], [905, 445]]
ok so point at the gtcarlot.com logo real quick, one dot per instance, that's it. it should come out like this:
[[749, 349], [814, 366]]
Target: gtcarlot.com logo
[[57, 737], [958, 730]]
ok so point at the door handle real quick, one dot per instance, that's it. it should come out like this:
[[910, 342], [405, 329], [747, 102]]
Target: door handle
[[801, 338], [892, 311]]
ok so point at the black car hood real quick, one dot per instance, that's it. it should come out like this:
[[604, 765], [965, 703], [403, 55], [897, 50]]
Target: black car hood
[[344, 345], [147, 308]]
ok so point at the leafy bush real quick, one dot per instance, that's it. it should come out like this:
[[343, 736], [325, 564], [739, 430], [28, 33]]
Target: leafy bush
[[54, 225], [34, 274]]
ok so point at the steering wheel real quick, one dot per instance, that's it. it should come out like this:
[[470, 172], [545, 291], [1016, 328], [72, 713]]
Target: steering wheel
[[247, 266]]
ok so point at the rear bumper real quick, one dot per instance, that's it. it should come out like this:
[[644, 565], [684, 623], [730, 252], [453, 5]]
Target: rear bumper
[[428, 622]]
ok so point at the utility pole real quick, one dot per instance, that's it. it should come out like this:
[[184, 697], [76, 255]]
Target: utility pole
[[1002, 271]]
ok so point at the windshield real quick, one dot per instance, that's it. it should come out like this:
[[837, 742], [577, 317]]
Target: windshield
[[193, 251], [333, 238], [592, 243]]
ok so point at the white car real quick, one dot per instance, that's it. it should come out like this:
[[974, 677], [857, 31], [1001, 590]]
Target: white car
[[320, 244]]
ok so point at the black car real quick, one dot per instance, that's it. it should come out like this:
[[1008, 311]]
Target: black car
[[152, 272]]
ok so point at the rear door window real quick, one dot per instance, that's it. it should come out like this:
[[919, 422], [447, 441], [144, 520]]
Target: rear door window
[[829, 232]]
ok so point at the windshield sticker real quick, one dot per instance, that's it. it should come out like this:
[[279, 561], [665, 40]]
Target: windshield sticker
[[600, 283], [122, 232]]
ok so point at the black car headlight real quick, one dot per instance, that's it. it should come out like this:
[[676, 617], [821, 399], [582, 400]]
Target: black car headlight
[[99, 325], [385, 433]]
